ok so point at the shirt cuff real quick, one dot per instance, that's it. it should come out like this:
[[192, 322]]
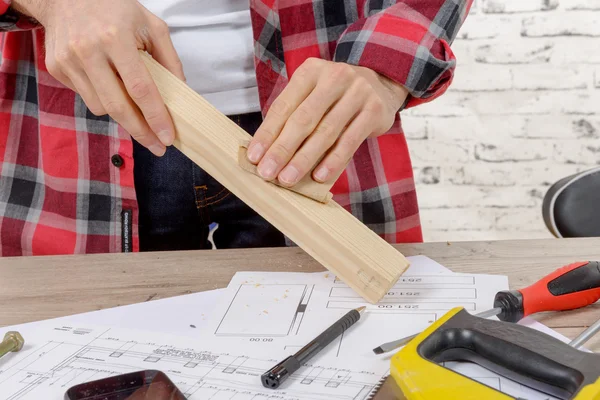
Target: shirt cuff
[[11, 20], [4, 5], [394, 47]]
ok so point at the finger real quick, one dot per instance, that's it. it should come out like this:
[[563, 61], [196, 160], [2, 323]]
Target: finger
[[118, 104], [302, 122], [55, 69], [323, 137], [86, 90], [143, 91], [299, 87], [64, 68], [340, 154], [163, 50]]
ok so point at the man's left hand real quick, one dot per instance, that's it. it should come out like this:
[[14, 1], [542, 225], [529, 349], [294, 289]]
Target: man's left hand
[[326, 111]]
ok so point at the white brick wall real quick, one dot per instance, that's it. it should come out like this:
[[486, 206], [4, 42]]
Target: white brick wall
[[522, 113]]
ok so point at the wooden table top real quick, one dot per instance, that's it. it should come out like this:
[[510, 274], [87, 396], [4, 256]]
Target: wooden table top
[[35, 288]]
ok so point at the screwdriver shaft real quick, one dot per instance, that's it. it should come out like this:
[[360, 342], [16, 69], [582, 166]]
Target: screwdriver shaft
[[586, 335], [384, 348]]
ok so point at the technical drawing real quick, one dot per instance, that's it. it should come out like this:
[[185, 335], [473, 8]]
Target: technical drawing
[[412, 293], [283, 316], [51, 367], [417, 280]]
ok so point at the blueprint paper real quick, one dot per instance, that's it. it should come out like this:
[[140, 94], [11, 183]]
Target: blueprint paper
[[57, 357], [287, 310]]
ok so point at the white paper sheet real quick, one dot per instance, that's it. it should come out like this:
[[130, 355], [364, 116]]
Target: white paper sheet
[[181, 315], [59, 356], [287, 310]]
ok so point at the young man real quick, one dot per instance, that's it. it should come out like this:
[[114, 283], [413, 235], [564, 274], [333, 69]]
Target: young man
[[329, 77]]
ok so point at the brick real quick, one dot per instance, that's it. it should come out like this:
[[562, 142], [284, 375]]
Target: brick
[[476, 79], [581, 103], [550, 77], [450, 196], [479, 174], [432, 235], [463, 52], [513, 152], [478, 27], [427, 175], [486, 174], [562, 127], [586, 50], [579, 152], [582, 5], [579, 23], [517, 6], [535, 51], [450, 105], [586, 127], [457, 219], [429, 151], [483, 127], [526, 219], [509, 102], [415, 128], [465, 104]]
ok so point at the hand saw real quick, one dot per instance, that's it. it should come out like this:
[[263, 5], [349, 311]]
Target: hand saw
[[519, 353]]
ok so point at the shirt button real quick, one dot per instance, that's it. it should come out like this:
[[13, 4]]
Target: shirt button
[[117, 160]]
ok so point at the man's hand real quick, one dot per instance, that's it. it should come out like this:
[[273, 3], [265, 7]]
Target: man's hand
[[327, 110], [92, 48]]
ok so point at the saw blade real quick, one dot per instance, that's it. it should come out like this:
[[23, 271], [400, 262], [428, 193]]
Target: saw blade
[[386, 389]]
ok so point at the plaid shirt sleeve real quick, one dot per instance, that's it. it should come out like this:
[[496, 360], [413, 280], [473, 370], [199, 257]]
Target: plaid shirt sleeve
[[408, 42], [11, 20]]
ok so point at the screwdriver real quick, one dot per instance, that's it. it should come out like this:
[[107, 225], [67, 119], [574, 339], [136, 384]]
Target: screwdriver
[[573, 286]]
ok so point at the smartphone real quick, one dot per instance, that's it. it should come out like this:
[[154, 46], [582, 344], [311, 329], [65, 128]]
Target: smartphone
[[140, 385]]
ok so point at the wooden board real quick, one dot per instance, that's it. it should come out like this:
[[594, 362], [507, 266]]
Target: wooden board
[[330, 234]]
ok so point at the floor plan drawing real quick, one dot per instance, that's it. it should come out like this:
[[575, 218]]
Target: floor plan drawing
[[287, 310], [61, 357], [245, 317]]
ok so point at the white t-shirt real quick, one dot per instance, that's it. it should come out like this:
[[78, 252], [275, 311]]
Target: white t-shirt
[[214, 41]]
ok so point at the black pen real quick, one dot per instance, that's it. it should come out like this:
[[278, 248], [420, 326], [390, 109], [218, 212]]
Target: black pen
[[279, 373]]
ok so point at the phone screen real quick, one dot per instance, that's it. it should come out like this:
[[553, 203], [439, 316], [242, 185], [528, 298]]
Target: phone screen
[[142, 385]]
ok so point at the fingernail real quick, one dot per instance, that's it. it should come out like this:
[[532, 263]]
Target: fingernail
[[322, 174], [165, 137], [157, 149], [289, 175], [267, 168], [255, 152]]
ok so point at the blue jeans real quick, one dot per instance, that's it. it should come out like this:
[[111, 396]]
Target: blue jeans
[[178, 202]]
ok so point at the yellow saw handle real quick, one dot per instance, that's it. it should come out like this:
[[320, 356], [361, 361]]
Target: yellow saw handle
[[516, 352]]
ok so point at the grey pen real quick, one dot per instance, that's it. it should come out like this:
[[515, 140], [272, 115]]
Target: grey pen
[[274, 377]]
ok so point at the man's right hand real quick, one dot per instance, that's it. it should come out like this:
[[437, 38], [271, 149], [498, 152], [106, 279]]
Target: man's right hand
[[92, 48]]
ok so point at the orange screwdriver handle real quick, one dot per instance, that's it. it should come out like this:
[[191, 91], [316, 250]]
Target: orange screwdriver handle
[[573, 286]]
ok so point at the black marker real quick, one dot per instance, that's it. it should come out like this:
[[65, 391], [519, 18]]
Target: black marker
[[279, 373]]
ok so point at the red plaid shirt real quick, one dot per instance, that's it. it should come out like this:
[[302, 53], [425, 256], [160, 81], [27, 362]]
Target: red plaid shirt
[[66, 176]]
